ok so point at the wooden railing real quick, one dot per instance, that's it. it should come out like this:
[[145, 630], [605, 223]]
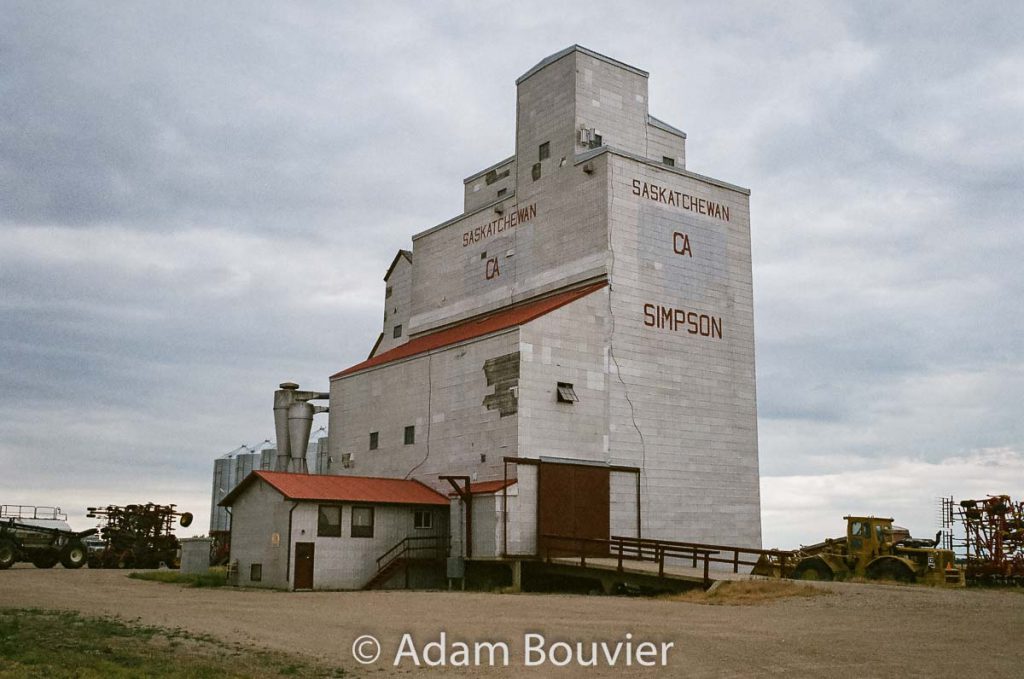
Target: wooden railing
[[783, 559], [627, 549]]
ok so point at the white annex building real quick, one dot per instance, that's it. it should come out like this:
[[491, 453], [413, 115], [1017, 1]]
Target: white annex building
[[576, 348]]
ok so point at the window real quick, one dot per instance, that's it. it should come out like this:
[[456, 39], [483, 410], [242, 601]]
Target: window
[[671, 162], [328, 523], [410, 435], [362, 522], [256, 572], [566, 393], [545, 150], [397, 331], [423, 519], [387, 292], [374, 440], [535, 171], [502, 192]]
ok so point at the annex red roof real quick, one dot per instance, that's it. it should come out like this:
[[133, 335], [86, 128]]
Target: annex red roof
[[486, 487], [475, 327], [332, 488]]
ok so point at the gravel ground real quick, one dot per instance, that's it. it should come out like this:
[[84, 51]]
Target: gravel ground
[[855, 630]]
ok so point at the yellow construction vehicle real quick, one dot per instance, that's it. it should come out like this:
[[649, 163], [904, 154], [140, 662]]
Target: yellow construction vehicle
[[874, 549]]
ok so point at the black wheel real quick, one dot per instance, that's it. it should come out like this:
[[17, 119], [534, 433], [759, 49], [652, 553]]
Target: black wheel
[[8, 554], [890, 569], [47, 559], [74, 555], [812, 569]]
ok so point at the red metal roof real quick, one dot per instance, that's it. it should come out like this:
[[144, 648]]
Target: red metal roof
[[332, 488], [485, 487], [475, 327]]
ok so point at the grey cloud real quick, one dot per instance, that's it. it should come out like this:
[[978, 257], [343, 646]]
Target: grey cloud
[[198, 201]]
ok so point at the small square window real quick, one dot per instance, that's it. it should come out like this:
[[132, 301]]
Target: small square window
[[423, 519], [397, 331], [545, 150], [483, 255], [362, 522], [566, 393], [535, 171], [502, 192], [410, 435], [256, 572], [374, 440], [671, 162], [328, 523]]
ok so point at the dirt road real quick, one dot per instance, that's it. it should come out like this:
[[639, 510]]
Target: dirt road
[[857, 630]]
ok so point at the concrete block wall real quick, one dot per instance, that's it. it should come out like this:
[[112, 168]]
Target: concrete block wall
[[442, 394], [545, 112], [488, 524], [567, 345], [564, 241], [693, 396], [478, 192], [259, 534], [611, 97], [622, 504], [522, 519], [349, 563], [663, 144], [397, 307]]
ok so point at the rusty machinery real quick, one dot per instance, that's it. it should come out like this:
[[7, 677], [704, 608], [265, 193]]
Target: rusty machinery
[[874, 549], [137, 536], [993, 539]]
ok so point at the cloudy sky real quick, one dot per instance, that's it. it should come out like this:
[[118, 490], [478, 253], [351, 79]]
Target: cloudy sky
[[198, 201]]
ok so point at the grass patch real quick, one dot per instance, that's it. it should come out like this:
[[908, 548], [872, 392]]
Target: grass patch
[[749, 592], [37, 643], [215, 577]]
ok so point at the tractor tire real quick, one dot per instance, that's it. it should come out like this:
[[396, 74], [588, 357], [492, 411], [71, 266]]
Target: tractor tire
[[74, 555], [8, 554], [812, 569], [45, 559], [890, 569]]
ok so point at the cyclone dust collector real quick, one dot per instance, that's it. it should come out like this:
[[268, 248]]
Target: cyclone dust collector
[[293, 421]]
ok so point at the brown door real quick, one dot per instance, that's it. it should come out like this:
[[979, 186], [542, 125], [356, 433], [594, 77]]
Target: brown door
[[572, 503], [304, 565]]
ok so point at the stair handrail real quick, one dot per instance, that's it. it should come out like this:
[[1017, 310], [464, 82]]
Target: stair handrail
[[405, 545]]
